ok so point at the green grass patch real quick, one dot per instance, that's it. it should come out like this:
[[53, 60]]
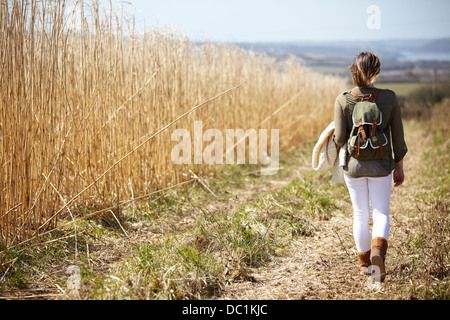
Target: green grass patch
[[426, 247], [184, 243], [402, 89]]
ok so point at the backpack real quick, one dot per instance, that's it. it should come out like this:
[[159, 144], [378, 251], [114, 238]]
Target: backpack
[[367, 139]]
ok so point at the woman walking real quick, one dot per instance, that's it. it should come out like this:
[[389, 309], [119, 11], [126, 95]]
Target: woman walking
[[369, 179]]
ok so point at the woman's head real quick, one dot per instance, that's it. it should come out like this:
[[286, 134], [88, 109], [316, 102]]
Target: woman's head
[[365, 69]]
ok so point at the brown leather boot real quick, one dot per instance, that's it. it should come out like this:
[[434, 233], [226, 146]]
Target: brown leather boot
[[364, 261], [377, 258]]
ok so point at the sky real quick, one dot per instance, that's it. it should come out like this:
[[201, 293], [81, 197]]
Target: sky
[[296, 20]]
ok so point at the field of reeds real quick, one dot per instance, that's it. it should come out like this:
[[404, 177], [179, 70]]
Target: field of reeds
[[92, 205], [88, 104]]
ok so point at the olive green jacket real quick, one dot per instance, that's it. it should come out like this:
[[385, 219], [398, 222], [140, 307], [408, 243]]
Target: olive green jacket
[[388, 104]]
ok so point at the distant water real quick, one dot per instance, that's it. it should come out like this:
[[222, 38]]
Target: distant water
[[414, 56]]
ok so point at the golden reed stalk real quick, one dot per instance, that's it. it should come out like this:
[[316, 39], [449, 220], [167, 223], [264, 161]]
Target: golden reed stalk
[[81, 104]]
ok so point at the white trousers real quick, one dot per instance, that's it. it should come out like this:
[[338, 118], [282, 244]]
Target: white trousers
[[364, 192]]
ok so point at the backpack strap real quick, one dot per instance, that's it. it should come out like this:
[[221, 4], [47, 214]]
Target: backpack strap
[[374, 95], [370, 97], [361, 129], [381, 148], [357, 147], [374, 127], [355, 96], [361, 133]]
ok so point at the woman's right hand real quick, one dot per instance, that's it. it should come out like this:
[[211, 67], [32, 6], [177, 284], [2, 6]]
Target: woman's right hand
[[399, 175]]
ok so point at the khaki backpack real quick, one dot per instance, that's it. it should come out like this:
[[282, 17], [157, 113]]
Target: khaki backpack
[[367, 139]]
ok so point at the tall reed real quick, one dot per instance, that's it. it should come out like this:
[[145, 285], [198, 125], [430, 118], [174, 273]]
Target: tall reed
[[81, 89]]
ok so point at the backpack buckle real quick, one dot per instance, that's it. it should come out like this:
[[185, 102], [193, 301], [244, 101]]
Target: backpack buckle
[[374, 126], [361, 129]]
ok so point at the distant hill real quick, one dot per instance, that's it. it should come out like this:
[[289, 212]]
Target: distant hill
[[435, 46], [387, 50], [402, 60]]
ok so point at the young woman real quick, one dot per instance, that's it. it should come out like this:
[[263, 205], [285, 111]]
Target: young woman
[[369, 181]]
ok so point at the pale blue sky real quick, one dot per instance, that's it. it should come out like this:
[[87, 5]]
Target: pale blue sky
[[296, 20]]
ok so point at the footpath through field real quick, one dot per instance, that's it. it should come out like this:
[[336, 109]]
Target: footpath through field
[[325, 266]]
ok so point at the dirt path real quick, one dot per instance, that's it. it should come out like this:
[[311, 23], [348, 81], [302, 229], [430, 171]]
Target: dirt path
[[321, 266], [325, 266]]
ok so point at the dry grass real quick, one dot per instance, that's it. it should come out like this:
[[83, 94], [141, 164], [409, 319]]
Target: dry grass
[[85, 110], [286, 236], [325, 266], [86, 116]]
